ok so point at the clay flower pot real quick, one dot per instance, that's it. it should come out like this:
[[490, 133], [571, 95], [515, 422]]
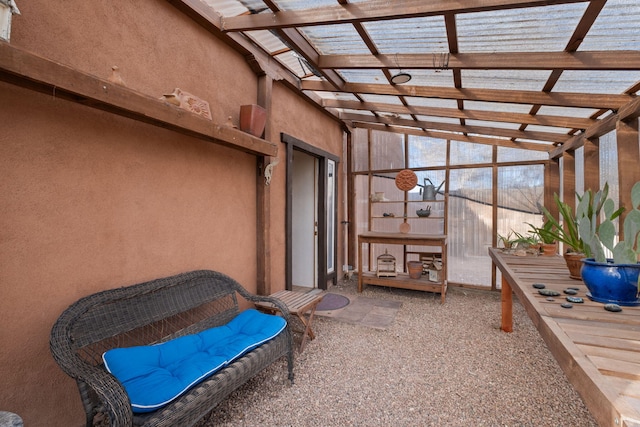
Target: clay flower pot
[[415, 269], [253, 119]]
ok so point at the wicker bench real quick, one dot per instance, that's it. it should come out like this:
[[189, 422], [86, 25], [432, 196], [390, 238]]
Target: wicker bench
[[150, 313]]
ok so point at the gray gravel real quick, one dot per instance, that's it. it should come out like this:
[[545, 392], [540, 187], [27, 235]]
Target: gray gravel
[[436, 365]]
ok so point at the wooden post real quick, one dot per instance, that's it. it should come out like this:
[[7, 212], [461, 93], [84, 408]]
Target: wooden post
[[507, 306], [551, 185], [263, 198], [628, 160], [592, 164]]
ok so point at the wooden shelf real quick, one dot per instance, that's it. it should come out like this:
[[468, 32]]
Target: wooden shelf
[[403, 281], [33, 72]]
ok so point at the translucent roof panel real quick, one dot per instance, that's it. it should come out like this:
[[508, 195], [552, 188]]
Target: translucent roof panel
[[335, 39], [616, 28], [498, 107], [596, 81], [566, 111], [505, 79], [363, 76], [439, 78], [417, 35], [432, 102], [384, 99], [534, 29]]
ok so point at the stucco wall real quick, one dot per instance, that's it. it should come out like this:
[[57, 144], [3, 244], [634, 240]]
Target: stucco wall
[[91, 200]]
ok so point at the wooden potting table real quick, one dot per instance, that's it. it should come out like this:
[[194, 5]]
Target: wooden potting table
[[599, 351]]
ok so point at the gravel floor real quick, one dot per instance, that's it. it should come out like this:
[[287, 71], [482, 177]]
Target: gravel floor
[[436, 365]]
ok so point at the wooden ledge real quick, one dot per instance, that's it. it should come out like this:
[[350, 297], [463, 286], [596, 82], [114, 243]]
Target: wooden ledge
[[33, 72]]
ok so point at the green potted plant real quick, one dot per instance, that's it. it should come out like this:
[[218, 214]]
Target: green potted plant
[[615, 280], [547, 235], [589, 204]]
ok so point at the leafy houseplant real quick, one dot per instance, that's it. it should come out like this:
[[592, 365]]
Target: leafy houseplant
[[547, 235], [589, 204], [600, 271]]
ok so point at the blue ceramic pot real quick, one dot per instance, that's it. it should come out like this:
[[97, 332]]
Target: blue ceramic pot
[[611, 283]]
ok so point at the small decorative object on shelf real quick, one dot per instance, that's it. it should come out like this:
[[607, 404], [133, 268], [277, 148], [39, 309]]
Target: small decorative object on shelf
[[253, 119], [188, 102], [386, 266], [435, 271], [423, 213], [429, 191], [406, 180], [388, 215]]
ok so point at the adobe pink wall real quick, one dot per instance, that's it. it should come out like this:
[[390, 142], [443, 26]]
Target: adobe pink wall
[[93, 201]]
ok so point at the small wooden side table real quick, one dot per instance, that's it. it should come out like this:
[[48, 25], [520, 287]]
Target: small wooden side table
[[301, 304]]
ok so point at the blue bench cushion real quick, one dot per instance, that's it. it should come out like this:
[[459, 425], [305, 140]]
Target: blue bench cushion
[[155, 375]]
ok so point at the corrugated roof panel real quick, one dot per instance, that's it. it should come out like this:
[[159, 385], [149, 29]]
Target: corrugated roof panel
[[385, 99], [502, 107], [616, 28], [229, 8], [534, 29], [499, 125], [439, 78], [505, 79], [417, 35], [612, 82], [582, 113], [335, 39], [267, 40], [432, 102], [363, 76]]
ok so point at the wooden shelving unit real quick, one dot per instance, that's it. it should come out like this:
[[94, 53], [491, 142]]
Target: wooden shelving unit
[[424, 235], [403, 280]]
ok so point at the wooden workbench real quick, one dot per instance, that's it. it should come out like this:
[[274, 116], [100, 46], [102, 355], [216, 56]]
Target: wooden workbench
[[403, 280], [599, 351]]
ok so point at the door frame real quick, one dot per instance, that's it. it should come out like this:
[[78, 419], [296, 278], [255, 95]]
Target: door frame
[[323, 275]]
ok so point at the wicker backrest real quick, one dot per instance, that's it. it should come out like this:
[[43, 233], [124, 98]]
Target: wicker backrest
[[147, 313]]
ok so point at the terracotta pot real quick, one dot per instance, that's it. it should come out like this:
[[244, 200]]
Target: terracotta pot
[[574, 264], [415, 269], [253, 119], [549, 249]]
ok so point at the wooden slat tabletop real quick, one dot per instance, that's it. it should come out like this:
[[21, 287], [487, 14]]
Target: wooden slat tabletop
[[598, 350]]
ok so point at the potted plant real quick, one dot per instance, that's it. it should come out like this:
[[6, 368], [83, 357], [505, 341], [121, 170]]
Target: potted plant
[[589, 204], [615, 280], [547, 235]]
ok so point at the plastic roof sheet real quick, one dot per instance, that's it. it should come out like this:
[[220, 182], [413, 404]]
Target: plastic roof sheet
[[520, 31]]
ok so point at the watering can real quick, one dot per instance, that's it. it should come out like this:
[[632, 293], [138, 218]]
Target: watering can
[[429, 190]]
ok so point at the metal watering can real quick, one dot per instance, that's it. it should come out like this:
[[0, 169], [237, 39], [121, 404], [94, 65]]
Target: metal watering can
[[429, 191]]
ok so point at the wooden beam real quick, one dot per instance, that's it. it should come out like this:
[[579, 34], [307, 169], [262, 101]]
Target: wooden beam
[[627, 112], [36, 73], [558, 99], [373, 10], [455, 136], [584, 60], [569, 180], [495, 116], [480, 130]]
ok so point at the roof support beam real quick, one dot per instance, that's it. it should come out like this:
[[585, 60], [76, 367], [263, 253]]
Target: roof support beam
[[480, 130], [629, 112], [455, 136], [373, 10], [560, 99], [540, 120], [584, 60]]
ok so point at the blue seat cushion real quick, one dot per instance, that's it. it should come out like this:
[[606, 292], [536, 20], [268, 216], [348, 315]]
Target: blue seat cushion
[[155, 375]]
